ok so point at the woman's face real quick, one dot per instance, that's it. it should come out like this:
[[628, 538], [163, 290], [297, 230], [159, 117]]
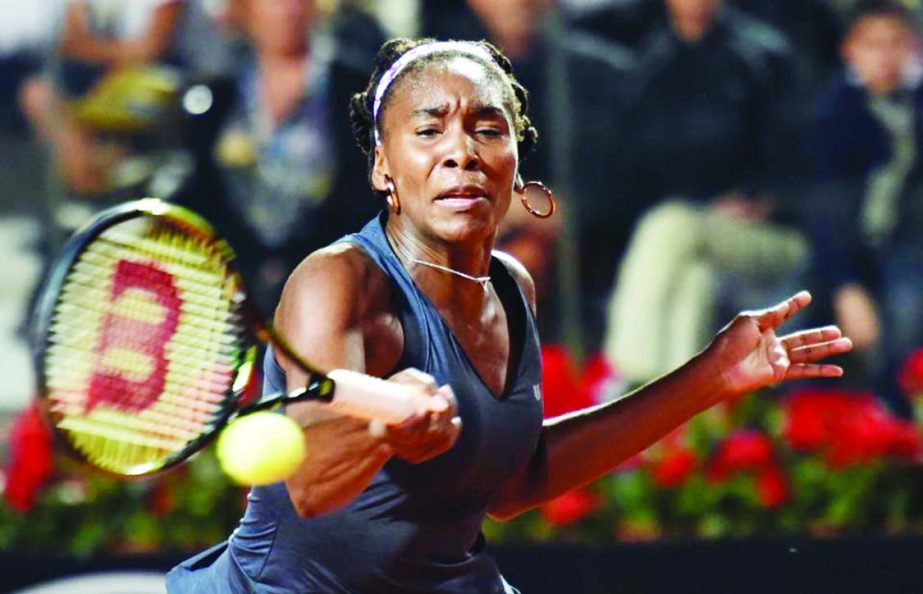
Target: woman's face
[[450, 146]]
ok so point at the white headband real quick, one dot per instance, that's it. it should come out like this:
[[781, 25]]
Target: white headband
[[415, 54]]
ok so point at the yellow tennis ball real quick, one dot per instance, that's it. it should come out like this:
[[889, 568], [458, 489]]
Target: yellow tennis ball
[[261, 448]]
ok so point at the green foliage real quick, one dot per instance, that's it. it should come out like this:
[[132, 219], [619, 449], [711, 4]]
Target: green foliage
[[881, 494], [808, 492], [186, 508]]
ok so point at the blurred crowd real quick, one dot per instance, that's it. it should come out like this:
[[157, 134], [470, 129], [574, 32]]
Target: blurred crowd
[[709, 155]]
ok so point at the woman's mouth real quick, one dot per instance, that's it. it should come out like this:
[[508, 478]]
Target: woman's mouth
[[461, 198], [459, 202]]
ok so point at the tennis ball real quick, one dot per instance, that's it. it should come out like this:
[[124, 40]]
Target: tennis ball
[[261, 448]]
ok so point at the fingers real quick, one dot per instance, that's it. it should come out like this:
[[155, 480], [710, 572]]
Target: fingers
[[432, 430], [377, 428], [445, 413], [427, 383], [811, 345], [808, 346], [774, 316], [423, 437], [447, 405], [413, 376], [814, 352], [809, 337], [812, 370]]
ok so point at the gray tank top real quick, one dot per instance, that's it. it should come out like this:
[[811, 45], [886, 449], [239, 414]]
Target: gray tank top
[[416, 528]]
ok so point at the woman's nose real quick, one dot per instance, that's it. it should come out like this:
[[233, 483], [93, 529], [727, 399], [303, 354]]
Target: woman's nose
[[460, 152]]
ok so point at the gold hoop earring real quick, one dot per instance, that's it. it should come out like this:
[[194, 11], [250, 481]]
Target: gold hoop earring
[[523, 190], [394, 202]]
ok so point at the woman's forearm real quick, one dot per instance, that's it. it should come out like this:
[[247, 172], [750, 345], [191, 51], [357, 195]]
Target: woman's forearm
[[340, 461], [582, 446]]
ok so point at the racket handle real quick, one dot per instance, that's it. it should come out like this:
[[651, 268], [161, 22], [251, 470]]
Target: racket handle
[[360, 395]]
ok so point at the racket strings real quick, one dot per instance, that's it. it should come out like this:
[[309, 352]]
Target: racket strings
[[145, 344]]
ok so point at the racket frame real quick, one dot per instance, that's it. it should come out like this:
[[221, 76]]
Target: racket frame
[[319, 387]]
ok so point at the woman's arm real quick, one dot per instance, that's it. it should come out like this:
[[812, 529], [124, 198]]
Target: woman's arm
[[583, 446], [578, 448], [333, 312]]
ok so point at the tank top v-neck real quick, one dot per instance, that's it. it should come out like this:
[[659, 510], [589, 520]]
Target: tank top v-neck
[[416, 527]]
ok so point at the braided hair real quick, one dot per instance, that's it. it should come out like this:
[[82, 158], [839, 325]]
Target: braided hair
[[361, 104]]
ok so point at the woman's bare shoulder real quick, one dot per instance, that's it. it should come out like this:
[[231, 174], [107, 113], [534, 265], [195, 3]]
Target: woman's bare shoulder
[[340, 279], [520, 273], [342, 262]]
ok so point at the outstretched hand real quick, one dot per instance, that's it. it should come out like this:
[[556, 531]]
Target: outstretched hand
[[749, 355]]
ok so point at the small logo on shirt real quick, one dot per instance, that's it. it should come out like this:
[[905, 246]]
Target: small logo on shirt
[[537, 392]]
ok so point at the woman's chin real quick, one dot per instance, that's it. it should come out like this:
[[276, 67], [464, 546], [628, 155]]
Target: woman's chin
[[465, 229]]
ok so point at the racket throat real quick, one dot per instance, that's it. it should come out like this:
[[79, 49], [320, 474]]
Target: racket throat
[[320, 388]]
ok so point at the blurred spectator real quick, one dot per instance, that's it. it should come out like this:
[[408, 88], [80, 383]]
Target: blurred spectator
[[25, 32], [811, 27], [357, 31], [284, 176], [795, 41], [104, 48], [869, 218], [706, 104], [208, 38], [706, 159], [576, 83], [627, 22]]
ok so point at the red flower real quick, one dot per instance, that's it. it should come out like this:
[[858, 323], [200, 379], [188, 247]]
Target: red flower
[[569, 508], [599, 382], [911, 374], [906, 441], [31, 463], [161, 500], [771, 488], [742, 451], [674, 468], [809, 419], [864, 431], [560, 386], [848, 428]]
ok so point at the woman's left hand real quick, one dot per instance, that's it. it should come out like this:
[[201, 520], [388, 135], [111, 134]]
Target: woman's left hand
[[749, 355]]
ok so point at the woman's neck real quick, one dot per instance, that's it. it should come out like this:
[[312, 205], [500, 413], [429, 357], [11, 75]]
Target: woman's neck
[[449, 274]]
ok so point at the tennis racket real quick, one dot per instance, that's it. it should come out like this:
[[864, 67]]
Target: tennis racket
[[145, 340]]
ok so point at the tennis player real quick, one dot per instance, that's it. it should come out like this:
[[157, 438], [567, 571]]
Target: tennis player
[[419, 296]]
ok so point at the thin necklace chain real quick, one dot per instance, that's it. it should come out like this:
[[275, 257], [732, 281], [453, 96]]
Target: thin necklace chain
[[481, 280]]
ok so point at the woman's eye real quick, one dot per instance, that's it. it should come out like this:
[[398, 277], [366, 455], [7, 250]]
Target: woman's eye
[[489, 132]]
